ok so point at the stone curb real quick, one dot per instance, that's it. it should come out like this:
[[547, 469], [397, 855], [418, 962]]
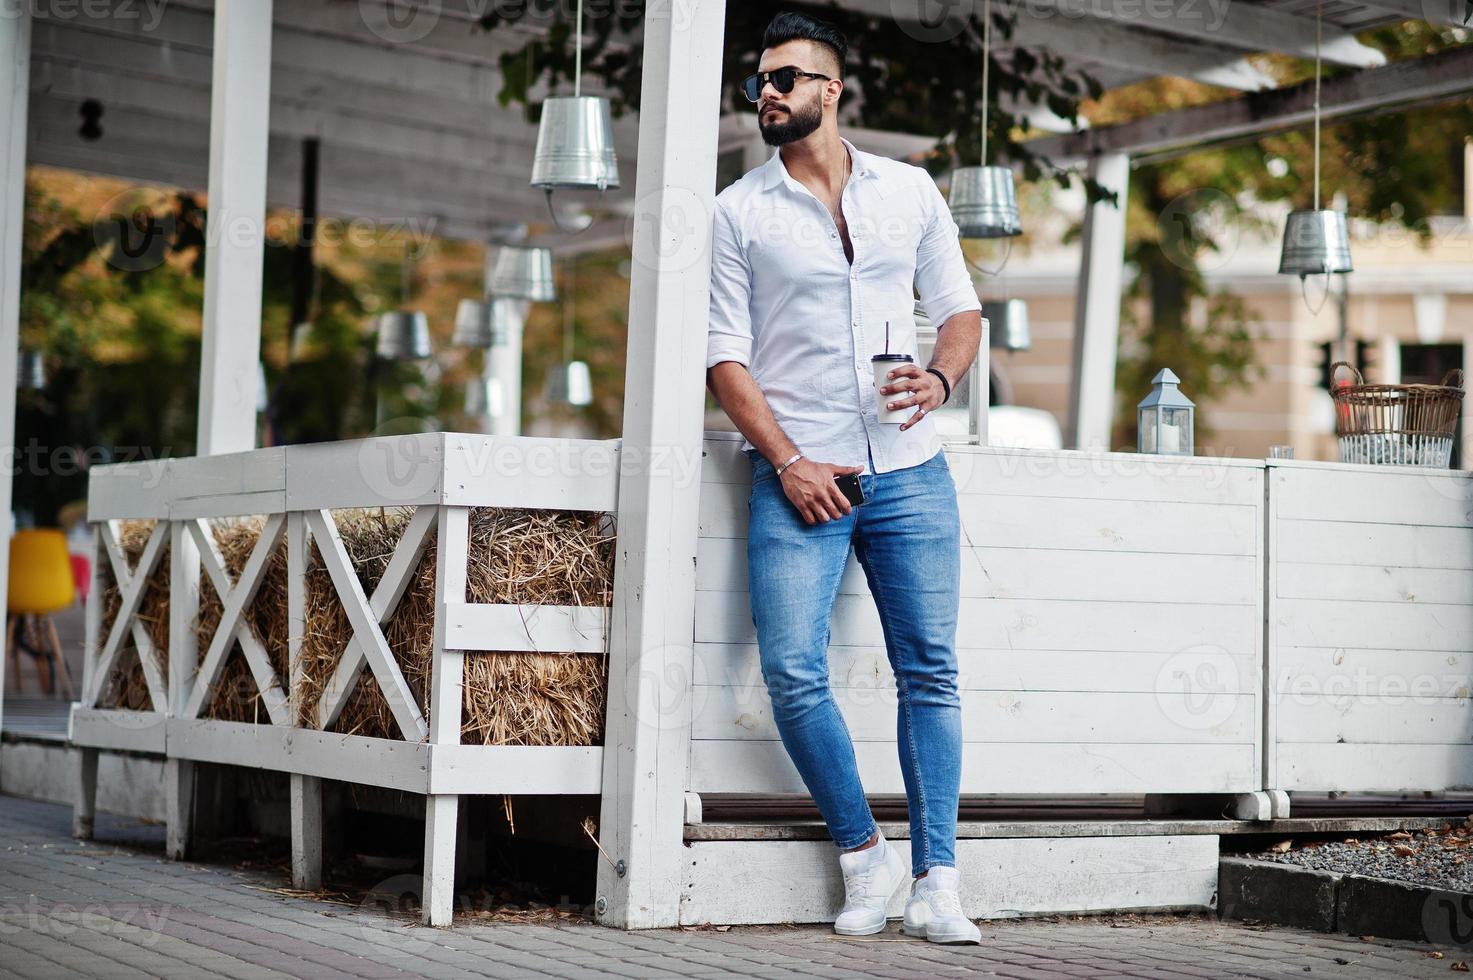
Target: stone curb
[[1328, 901]]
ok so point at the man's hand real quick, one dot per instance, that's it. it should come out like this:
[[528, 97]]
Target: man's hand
[[811, 488], [919, 387]]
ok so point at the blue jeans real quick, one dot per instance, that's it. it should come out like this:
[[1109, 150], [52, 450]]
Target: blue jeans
[[906, 536]]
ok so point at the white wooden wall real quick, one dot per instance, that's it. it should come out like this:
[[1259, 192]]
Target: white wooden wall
[[1370, 620], [1110, 631]]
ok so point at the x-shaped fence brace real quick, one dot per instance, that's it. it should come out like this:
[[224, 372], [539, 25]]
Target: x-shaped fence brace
[[367, 645], [235, 626], [132, 584], [367, 616]]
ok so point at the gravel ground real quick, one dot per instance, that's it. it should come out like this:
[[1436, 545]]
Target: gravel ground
[[1441, 858]]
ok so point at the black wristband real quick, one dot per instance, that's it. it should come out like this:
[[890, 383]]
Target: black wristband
[[945, 385]]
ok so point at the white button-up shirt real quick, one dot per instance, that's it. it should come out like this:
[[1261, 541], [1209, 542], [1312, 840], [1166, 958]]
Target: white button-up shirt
[[787, 304]]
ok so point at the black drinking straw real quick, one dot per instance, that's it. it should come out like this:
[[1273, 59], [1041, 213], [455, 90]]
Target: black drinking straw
[[887, 336]]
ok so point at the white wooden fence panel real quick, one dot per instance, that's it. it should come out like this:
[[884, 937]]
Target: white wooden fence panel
[[1109, 638], [797, 881], [1021, 624], [1370, 627], [1165, 717], [731, 766], [1100, 671], [1023, 573]]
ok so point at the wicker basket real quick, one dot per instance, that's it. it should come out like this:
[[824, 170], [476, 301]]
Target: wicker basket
[[1401, 425]]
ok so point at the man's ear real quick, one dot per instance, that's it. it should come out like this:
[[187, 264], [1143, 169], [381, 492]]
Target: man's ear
[[831, 90]]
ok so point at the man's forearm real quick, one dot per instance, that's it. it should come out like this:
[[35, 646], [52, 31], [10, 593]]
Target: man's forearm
[[738, 395], [956, 346]]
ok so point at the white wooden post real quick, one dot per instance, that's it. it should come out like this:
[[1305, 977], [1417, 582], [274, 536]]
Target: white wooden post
[[504, 366], [183, 661], [447, 678], [240, 98], [84, 803], [306, 791], [15, 67], [1097, 309], [647, 736]]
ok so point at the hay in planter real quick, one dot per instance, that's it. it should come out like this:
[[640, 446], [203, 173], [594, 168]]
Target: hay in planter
[[516, 556], [513, 698]]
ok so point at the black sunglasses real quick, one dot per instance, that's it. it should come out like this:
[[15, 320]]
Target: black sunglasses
[[782, 79]]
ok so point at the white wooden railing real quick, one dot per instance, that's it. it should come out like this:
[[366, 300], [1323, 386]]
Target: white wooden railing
[[442, 476]]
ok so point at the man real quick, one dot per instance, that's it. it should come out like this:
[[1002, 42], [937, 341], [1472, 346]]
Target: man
[[816, 260]]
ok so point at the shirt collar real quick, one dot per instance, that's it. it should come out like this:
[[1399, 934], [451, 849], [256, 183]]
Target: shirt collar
[[777, 172]]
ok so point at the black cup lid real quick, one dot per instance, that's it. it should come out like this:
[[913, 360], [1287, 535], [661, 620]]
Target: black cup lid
[[892, 357]]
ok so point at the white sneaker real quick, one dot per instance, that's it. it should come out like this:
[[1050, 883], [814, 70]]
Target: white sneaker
[[934, 910], [871, 878]]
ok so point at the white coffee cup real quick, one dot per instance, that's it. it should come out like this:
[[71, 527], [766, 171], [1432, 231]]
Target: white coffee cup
[[883, 364]]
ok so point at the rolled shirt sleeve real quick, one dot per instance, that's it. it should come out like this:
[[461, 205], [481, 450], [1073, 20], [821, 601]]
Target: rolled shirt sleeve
[[729, 331], [942, 280]]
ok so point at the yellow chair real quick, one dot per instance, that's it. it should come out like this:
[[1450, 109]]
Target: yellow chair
[[40, 584]]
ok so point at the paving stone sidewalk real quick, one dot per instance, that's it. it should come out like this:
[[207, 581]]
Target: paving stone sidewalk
[[114, 907]]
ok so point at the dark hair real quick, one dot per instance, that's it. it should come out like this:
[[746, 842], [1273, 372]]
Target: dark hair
[[789, 26]]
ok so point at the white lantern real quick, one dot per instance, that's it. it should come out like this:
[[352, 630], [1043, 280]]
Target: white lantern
[[1167, 418]]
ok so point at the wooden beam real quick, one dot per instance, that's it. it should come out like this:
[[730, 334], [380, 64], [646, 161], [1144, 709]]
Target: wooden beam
[[1107, 44], [239, 126], [15, 70], [650, 644], [1253, 28], [1443, 13], [1419, 81]]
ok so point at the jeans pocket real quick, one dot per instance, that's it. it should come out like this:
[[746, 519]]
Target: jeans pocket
[[762, 470]]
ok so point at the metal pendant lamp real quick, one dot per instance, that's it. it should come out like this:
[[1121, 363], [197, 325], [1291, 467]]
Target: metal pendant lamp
[[983, 200], [1316, 240], [481, 323], [575, 139], [1008, 323], [30, 372], [402, 335], [522, 272]]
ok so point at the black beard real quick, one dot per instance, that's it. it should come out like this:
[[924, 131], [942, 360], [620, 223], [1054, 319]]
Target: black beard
[[800, 123]]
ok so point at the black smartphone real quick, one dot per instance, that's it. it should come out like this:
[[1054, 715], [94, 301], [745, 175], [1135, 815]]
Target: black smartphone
[[849, 487]]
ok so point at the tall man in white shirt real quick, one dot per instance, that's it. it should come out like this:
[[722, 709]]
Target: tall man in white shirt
[[817, 257]]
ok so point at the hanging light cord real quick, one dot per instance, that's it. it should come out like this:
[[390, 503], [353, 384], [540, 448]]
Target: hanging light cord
[[578, 52], [986, 66], [1318, 17], [568, 314]]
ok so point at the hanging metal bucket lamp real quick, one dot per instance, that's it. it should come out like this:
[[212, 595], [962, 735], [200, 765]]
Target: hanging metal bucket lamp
[[1316, 240], [481, 323], [1008, 323], [402, 335], [575, 139], [30, 372], [983, 200], [522, 272]]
